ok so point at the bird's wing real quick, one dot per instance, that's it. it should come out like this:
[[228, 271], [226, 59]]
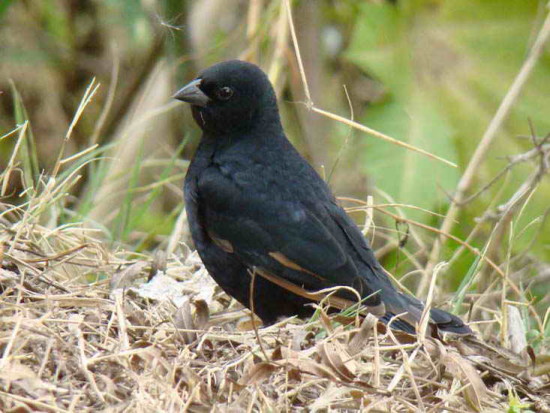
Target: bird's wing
[[312, 245], [299, 242], [223, 267], [230, 272]]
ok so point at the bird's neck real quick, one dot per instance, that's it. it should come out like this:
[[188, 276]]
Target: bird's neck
[[260, 138], [264, 128]]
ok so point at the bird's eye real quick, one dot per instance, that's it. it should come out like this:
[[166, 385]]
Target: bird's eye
[[224, 93]]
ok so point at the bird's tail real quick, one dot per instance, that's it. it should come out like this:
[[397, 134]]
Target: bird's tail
[[404, 313]]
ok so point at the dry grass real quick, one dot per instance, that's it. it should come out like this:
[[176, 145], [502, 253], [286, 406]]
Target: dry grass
[[77, 332]]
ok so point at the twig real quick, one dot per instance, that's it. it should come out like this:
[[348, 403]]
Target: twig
[[506, 212], [425, 317], [311, 106], [119, 307], [380, 135], [309, 102], [253, 315], [514, 160]]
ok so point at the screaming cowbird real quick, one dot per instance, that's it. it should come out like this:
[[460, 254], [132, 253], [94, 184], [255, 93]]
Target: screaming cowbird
[[258, 211]]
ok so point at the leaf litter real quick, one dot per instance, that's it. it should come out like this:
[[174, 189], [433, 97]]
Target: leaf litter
[[83, 327]]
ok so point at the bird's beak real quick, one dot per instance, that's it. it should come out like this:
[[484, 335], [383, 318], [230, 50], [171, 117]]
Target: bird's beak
[[192, 94]]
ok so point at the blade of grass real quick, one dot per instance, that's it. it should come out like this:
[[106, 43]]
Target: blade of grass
[[12, 161], [29, 155], [96, 176], [86, 99], [458, 299]]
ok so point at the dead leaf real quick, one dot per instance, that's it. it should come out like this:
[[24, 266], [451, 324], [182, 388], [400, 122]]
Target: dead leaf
[[516, 330], [461, 369], [201, 313], [497, 357], [158, 264], [299, 336], [127, 276], [325, 320], [366, 330], [333, 356], [248, 324], [183, 320], [257, 373], [326, 399], [277, 354], [305, 365]]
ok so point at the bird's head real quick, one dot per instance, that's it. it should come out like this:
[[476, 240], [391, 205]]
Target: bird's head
[[231, 96]]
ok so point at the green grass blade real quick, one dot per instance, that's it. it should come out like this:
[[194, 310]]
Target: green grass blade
[[28, 154]]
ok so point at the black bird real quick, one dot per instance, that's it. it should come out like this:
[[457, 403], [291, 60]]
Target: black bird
[[255, 206]]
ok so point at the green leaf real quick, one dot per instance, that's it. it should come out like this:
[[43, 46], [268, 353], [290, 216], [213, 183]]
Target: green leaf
[[407, 176]]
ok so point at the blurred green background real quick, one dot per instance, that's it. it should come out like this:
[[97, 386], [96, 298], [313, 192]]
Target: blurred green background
[[428, 72]]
